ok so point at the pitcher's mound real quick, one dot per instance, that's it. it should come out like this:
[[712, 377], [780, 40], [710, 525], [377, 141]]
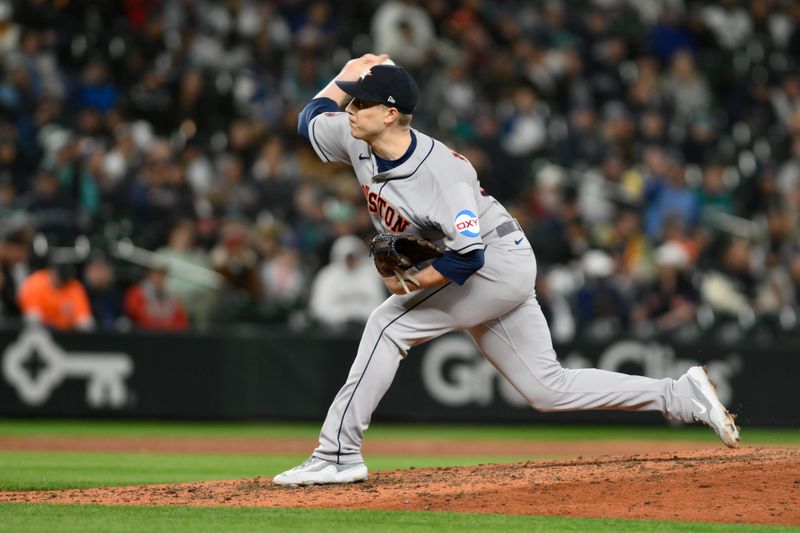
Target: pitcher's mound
[[752, 485]]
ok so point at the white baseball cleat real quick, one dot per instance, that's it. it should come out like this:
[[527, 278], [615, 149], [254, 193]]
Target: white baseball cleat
[[709, 410], [316, 471]]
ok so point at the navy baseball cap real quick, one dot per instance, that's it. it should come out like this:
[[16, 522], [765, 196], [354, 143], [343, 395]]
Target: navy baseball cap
[[388, 84]]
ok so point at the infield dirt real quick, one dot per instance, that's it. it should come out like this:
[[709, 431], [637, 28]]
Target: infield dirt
[[749, 485]]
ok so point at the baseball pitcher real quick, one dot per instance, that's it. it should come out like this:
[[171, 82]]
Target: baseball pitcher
[[482, 283]]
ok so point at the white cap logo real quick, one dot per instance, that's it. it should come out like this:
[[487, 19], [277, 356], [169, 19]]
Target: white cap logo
[[390, 99]]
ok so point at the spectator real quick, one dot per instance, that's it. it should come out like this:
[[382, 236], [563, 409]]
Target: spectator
[[700, 145], [349, 288], [234, 195], [150, 100], [729, 22], [776, 291], [648, 91], [600, 301], [630, 249], [772, 27], [687, 87], [786, 98], [524, 129], [554, 219], [96, 91], [195, 110], [668, 195], [158, 193], [275, 164], [670, 35], [713, 196], [671, 300], [233, 258], [652, 128], [584, 143], [14, 269], [453, 91], [150, 305], [54, 297], [104, 297], [284, 282], [404, 30], [600, 191], [676, 230], [190, 276], [619, 127], [729, 287], [317, 30], [10, 32], [54, 213], [603, 56], [759, 194]]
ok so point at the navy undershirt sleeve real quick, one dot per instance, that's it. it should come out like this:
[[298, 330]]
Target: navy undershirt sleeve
[[311, 110], [458, 267]]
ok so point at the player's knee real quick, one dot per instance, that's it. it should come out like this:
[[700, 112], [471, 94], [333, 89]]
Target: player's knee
[[542, 403], [402, 336], [548, 396]]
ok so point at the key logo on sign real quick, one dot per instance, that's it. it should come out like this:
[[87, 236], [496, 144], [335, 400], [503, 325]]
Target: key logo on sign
[[467, 224], [105, 372]]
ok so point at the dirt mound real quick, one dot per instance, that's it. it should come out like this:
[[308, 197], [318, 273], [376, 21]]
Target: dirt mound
[[750, 485]]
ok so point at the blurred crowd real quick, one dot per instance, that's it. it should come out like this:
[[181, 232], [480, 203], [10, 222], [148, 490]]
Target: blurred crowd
[[151, 174]]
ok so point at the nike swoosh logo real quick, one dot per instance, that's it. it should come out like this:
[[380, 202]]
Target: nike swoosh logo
[[700, 407], [518, 241], [362, 156]]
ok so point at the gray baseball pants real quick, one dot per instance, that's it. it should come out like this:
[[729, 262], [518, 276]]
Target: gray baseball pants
[[497, 307]]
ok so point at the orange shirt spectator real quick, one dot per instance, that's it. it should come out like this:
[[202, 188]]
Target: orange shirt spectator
[[149, 304], [53, 297]]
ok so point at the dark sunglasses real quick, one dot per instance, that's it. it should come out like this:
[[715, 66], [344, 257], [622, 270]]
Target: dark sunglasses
[[358, 103]]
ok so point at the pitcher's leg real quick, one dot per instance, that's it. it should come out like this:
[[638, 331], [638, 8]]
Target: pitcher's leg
[[518, 344], [394, 327], [348, 417]]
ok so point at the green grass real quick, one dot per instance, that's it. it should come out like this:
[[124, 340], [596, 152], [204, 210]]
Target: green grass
[[102, 428], [44, 517], [69, 470]]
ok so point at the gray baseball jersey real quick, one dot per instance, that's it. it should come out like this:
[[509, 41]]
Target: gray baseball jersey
[[435, 193]]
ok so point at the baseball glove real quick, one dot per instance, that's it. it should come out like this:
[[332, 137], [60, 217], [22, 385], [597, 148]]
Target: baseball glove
[[394, 254]]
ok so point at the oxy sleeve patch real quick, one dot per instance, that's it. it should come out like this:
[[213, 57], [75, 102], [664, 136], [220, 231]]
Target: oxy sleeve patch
[[466, 223]]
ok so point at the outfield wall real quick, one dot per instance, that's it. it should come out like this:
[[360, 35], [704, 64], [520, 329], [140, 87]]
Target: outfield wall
[[279, 374]]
